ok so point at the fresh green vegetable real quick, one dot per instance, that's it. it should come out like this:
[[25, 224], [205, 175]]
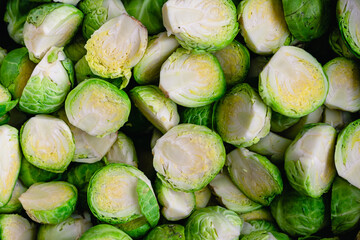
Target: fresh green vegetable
[[266, 235], [14, 226], [104, 232], [257, 225], [167, 231], [202, 197], [14, 205]]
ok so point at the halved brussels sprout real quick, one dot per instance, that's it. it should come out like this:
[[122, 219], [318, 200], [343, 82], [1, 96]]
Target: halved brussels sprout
[[10, 160], [297, 214], [338, 44], [6, 104], [176, 205], [202, 197], [14, 205], [234, 60], [254, 175], [346, 153], [49, 83], [116, 47], [71, 228], [97, 107], [14, 226], [136, 228], [208, 25], [309, 160], [307, 20], [259, 214], [119, 193], [155, 106], [199, 115], [122, 151], [266, 235], [337, 118], [188, 157], [159, 48], [167, 231], [16, 70], [230, 196], [259, 18], [242, 118], [75, 50], [257, 225], [29, 174], [280, 122], [104, 232], [98, 12], [293, 82], [47, 143], [348, 16], [51, 24], [192, 79], [344, 84], [49, 203], [273, 146], [213, 223], [345, 207]]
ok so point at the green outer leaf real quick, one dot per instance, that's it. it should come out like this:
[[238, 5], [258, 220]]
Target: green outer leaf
[[280, 122], [7, 106], [199, 115], [87, 6], [4, 119], [168, 232], [104, 231], [37, 15], [266, 235], [93, 21], [135, 228], [69, 67], [148, 203]]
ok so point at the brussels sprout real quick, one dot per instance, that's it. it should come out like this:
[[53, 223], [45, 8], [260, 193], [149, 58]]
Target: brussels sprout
[[257, 225], [202, 197], [234, 60], [3, 53], [345, 206], [254, 175], [259, 18], [10, 160], [4, 119], [51, 24], [15, 15], [266, 235], [208, 25], [298, 214], [338, 44], [155, 106], [259, 214], [213, 223], [116, 47], [313, 117], [47, 143], [346, 153], [97, 107], [273, 146], [122, 151], [307, 20], [119, 193], [241, 116], [167, 231], [192, 79], [176, 205], [75, 50], [230, 196], [69, 229], [188, 157], [49, 203], [104, 232], [344, 84], [14, 205], [6, 104], [29, 174], [280, 122], [336, 118], [293, 83], [49, 83], [309, 160], [98, 12], [135, 228], [14, 226], [199, 115], [156, 134], [348, 16], [159, 48], [16, 70]]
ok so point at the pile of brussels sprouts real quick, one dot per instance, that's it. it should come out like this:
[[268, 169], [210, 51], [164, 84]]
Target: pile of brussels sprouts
[[179, 119]]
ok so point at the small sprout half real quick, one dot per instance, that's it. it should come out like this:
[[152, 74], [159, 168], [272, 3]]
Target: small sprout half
[[14, 226], [192, 79], [97, 107], [188, 157], [10, 160], [14, 205], [116, 47], [202, 197], [293, 82], [207, 25], [347, 153], [280, 122], [254, 175], [104, 232], [257, 225], [213, 223], [49, 203], [337, 118], [122, 151], [6, 104], [47, 143], [338, 44], [266, 235], [167, 231], [241, 117]]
